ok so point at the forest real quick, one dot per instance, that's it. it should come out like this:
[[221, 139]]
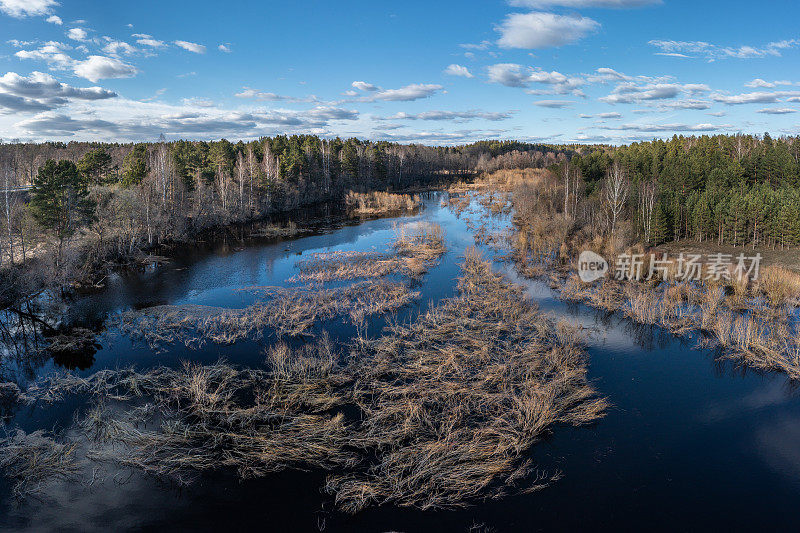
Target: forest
[[91, 205]]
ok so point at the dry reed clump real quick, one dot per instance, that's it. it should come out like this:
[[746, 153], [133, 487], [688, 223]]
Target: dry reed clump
[[289, 312], [766, 338], [440, 412], [458, 203], [416, 249], [273, 231], [780, 285], [605, 294], [453, 402], [32, 459], [378, 203], [495, 203]]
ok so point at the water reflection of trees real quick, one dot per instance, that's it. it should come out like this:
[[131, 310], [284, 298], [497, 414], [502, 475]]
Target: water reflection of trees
[[28, 342]]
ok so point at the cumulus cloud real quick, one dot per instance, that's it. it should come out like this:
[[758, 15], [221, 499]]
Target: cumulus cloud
[[224, 48], [458, 70], [117, 48], [96, 68], [514, 75], [27, 8], [78, 34], [191, 47], [364, 86], [52, 52], [42, 92], [543, 30], [55, 19], [713, 52]]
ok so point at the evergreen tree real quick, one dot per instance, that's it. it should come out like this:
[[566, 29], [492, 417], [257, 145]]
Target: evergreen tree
[[60, 200]]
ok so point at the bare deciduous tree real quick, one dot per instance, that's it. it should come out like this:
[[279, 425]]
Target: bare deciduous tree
[[615, 194]]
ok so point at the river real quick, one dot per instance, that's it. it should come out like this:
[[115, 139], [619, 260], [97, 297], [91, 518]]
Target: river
[[690, 441]]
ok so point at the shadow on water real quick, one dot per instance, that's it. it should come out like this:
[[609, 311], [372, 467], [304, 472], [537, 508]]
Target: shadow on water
[[692, 441]]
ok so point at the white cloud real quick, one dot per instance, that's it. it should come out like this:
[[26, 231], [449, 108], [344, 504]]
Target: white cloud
[[514, 75], [27, 8], [364, 86], [553, 104], [758, 83], [777, 111], [224, 48], [78, 34], [483, 45], [42, 92], [116, 48], [415, 91], [191, 47], [713, 52], [148, 40], [52, 52], [255, 94], [758, 97], [458, 70], [615, 4], [131, 120], [632, 92], [96, 68], [55, 19], [688, 104], [543, 30]]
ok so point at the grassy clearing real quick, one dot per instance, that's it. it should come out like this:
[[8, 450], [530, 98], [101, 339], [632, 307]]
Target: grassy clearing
[[437, 413], [380, 203]]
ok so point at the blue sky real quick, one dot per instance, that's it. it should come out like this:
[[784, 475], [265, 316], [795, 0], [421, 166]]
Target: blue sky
[[442, 72]]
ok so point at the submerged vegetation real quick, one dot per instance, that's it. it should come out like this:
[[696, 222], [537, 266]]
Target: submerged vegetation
[[294, 310], [436, 413]]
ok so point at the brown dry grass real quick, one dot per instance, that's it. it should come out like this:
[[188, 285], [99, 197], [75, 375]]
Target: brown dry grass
[[415, 250], [443, 410], [380, 203]]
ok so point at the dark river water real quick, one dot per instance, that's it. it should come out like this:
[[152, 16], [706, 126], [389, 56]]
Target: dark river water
[[689, 443]]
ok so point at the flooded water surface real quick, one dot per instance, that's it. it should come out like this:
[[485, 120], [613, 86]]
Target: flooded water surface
[[689, 442]]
